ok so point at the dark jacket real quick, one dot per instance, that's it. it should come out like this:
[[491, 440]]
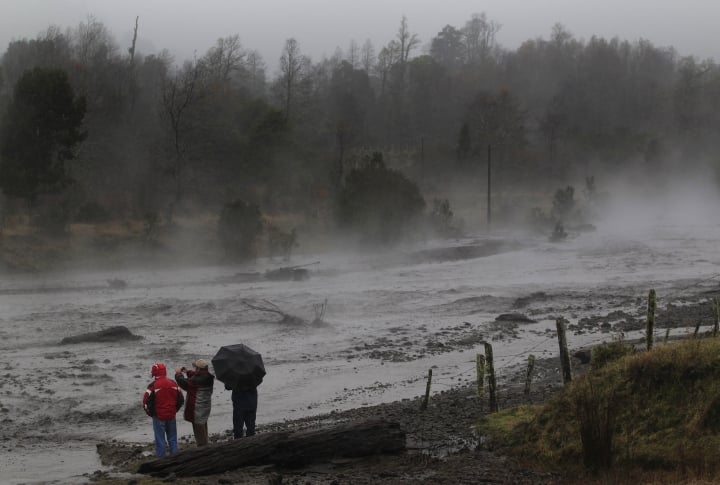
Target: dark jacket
[[199, 387], [245, 399], [162, 398]]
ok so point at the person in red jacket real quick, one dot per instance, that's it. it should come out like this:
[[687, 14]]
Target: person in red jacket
[[199, 386], [162, 400]]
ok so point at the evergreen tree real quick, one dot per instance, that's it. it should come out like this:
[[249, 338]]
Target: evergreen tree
[[41, 130]]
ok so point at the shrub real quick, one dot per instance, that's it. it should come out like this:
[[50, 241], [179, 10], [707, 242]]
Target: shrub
[[379, 202], [564, 202], [92, 212], [609, 352], [239, 227], [441, 219], [558, 233], [281, 243]]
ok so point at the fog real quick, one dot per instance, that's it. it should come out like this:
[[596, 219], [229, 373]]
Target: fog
[[394, 310], [186, 28], [391, 316]]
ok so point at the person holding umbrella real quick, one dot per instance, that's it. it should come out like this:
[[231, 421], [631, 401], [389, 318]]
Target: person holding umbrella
[[242, 370], [245, 402], [161, 401], [198, 383]]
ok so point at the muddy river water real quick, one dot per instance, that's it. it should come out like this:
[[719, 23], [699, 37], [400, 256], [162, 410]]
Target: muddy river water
[[390, 317]]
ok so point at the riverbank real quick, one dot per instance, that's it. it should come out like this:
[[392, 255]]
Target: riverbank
[[442, 445], [388, 321]]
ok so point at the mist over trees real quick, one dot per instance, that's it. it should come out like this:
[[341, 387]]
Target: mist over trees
[[167, 137]]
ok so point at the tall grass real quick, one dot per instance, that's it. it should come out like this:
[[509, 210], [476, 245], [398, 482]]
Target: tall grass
[[656, 411]]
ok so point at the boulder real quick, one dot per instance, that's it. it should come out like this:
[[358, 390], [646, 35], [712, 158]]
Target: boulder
[[112, 334]]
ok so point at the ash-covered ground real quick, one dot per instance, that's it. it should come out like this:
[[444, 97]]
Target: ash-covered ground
[[390, 317]]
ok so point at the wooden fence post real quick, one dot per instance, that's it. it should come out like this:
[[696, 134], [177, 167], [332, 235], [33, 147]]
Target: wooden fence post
[[564, 354], [667, 335], [529, 374], [480, 365], [492, 383], [424, 404], [716, 317], [650, 326]]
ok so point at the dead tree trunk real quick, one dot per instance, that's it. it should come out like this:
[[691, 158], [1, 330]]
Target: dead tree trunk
[[284, 448]]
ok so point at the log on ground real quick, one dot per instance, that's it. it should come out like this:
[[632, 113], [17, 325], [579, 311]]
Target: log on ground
[[285, 449]]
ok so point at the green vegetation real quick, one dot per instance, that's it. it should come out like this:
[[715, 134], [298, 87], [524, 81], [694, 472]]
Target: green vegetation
[[43, 132], [104, 133], [380, 203], [603, 354], [648, 411]]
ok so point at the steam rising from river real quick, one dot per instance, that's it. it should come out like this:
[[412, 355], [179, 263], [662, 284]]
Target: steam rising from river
[[390, 317]]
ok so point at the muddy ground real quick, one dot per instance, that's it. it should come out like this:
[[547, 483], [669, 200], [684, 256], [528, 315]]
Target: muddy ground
[[442, 446]]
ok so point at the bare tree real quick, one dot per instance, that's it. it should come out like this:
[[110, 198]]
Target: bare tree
[[131, 49], [367, 56], [178, 96], [94, 48], [406, 41], [226, 57], [353, 54], [480, 35], [292, 67], [132, 79], [385, 61], [92, 40], [255, 66]]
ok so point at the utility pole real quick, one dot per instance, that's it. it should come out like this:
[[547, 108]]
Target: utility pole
[[489, 174]]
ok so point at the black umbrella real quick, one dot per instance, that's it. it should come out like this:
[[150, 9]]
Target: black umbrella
[[239, 367]]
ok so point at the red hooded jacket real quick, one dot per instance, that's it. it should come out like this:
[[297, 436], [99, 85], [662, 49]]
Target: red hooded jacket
[[163, 399]]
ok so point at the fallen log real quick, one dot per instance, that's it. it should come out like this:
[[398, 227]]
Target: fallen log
[[284, 448]]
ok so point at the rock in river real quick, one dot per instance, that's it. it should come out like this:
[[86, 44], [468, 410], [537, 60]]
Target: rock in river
[[112, 334]]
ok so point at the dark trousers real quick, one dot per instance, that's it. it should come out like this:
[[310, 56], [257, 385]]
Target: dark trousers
[[243, 417]]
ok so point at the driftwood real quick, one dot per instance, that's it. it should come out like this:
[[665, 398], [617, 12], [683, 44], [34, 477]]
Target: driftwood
[[112, 334], [320, 309], [267, 306], [514, 317], [284, 448], [287, 274], [290, 273]]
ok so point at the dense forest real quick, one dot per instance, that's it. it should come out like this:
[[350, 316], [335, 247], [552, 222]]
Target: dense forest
[[92, 131]]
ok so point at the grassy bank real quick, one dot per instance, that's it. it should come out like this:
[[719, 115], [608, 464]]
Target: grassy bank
[[24, 248], [652, 417]]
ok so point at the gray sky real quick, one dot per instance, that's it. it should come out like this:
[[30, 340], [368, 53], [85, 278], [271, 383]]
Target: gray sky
[[186, 26]]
